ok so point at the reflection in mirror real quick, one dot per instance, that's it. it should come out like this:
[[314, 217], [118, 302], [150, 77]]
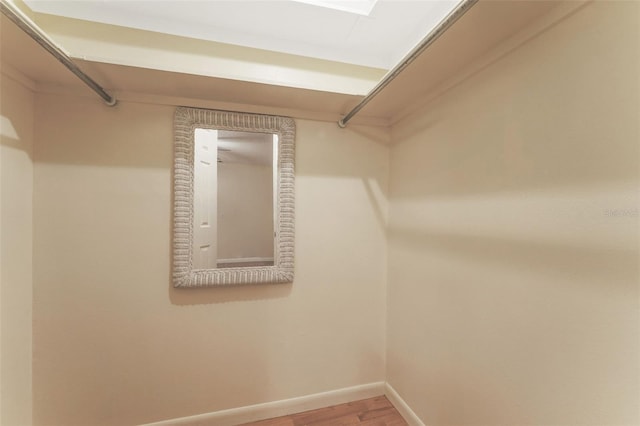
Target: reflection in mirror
[[233, 198], [234, 181]]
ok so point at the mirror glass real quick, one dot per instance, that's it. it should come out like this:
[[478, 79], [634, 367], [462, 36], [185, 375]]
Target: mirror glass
[[234, 181], [233, 198]]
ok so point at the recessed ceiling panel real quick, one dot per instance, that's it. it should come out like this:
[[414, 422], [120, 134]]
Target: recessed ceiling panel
[[376, 35]]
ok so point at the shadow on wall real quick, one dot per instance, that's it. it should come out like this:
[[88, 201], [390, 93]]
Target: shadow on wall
[[9, 136], [513, 244], [517, 155], [379, 135], [138, 136], [527, 127], [340, 152], [349, 155], [224, 294], [580, 264], [378, 201]]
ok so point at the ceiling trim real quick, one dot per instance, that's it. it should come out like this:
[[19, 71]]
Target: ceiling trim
[[155, 99]]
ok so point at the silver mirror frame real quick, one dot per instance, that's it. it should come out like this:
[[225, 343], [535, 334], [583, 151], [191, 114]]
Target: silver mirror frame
[[186, 120]]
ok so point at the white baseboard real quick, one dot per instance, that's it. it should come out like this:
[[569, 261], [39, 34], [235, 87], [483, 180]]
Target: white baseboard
[[235, 416], [402, 407]]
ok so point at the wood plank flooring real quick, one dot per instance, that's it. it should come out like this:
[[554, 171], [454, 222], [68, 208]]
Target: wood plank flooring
[[376, 411]]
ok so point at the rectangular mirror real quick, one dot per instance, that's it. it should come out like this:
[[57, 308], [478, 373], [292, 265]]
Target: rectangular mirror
[[233, 198]]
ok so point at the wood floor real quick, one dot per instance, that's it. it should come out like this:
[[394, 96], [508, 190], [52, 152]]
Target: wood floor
[[376, 411]]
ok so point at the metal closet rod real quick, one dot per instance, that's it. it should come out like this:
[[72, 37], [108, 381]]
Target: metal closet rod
[[33, 31], [440, 29]]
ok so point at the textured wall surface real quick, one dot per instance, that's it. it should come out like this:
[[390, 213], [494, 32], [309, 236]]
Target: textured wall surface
[[115, 343], [16, 259], [513, 289]]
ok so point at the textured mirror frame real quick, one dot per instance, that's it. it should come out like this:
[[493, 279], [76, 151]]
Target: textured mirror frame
[[186, 120]]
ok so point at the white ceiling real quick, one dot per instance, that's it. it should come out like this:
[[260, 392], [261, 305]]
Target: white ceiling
[[379, 39]]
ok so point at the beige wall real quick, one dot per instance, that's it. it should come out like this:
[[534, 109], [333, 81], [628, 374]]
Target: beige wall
[[16, 231], [513, 265], [245, 210], [114, 343]]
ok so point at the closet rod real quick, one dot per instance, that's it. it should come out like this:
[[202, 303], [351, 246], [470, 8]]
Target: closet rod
[[440, 29], [33, 31]]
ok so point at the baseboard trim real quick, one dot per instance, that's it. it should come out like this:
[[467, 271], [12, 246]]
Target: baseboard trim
[[251, 413], [402, 407]]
